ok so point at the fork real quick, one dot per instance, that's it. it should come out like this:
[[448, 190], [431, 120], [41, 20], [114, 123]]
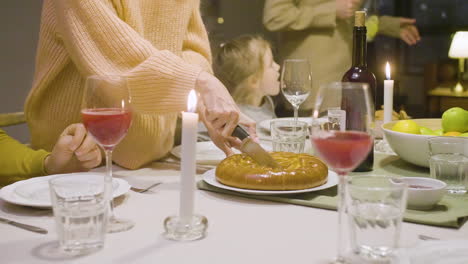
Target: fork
[[143, 190]]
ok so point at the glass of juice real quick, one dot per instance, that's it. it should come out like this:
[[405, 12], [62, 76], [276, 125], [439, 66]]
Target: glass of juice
[[344, 145], [107, 116]]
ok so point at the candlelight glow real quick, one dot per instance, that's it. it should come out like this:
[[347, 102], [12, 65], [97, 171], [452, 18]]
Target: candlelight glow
[[192, 101], [387, 71]]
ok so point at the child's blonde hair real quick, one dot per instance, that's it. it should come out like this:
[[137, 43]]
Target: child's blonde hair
[[238, 60]]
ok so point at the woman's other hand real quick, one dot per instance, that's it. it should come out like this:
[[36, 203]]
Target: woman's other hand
[[74, 151]]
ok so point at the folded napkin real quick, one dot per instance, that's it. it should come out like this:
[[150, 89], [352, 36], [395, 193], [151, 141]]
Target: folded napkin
[[452, 211]]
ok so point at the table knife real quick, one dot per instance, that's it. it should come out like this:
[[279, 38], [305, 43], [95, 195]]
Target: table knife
[[24, 226], [253, 149]]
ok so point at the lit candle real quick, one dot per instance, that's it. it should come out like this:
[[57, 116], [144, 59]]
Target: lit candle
[[388, 96], [189, 139]]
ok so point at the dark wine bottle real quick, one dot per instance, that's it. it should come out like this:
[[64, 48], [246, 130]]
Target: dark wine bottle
[[359, 73]]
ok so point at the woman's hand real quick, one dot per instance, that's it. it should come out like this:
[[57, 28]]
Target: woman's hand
[[74, 151], [408, 31]]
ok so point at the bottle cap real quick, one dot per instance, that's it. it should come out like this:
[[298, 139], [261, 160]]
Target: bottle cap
[[360, 19]]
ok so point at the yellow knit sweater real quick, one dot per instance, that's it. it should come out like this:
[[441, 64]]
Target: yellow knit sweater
[[160, 45]]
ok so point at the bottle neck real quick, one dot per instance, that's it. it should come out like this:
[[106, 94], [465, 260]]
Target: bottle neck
[[359, 47]]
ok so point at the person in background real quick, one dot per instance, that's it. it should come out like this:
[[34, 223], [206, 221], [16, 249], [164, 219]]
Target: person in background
[[322, 31], [246, 67], [74, 151], [160, 46]]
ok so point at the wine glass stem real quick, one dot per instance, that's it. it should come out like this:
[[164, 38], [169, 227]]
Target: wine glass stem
[[108, 182], [296, 113], [341, 216]]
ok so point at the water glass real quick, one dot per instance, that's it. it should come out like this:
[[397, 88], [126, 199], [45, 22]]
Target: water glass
[[448, 162], [375, 206], [288, 135], [80, 211]]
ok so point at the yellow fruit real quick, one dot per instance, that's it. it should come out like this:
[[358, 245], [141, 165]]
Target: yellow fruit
[[406, 126], [452, 134], [372, 25]]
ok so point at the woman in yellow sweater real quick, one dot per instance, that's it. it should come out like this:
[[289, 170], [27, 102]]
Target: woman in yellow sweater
[[161, 46], [74, 151]]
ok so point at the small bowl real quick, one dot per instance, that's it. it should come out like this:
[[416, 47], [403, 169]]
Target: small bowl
[[423, 193]]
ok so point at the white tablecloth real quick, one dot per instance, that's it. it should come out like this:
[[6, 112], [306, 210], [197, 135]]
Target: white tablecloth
[[240, 230]]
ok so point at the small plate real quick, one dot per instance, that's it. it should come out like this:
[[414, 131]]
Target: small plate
[[208, 153], [34, 192], [265, 124], [210, 178]]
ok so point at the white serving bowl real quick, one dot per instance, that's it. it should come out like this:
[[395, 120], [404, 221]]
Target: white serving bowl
[[412, 148], [423, 193]]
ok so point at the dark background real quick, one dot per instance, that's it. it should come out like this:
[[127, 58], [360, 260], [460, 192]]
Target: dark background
[[437, 20]]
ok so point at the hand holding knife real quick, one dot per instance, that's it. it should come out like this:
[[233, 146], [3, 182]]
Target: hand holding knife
[[253, 149]]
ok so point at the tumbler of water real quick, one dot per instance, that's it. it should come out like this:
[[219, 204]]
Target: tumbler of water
[[80, 211], [375, 206]]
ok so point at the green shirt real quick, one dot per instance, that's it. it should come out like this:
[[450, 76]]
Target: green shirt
[[18, 162]]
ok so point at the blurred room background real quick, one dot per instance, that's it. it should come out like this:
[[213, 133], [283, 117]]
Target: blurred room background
[[416, 69]]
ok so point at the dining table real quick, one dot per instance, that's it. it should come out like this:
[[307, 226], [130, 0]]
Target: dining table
[[240, 229]]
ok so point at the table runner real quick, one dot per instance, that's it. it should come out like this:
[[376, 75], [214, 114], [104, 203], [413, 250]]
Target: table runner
[[452, 211]]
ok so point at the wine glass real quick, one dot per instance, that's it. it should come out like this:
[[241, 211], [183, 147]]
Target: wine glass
[[106, 115], [296, 82], [343, 142]]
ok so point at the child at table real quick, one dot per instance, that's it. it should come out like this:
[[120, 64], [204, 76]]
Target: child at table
[[74, 151], [246, 67]]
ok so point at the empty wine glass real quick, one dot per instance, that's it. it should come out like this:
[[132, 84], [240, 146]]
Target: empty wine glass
[[296, 82], [107, 116], [343, 148]]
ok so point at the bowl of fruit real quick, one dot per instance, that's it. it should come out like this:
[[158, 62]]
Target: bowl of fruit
[[408, 138]]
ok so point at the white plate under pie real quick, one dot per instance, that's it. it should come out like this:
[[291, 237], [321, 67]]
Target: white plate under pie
[[208, 153], [210, 178], [34, 192]]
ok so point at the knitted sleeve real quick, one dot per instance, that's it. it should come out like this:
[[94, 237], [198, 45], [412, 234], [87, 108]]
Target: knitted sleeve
[[18, 162], [284, 15], [194, 48], [389, 26], [99, 42]]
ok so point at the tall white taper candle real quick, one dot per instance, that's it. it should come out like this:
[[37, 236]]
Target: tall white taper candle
[[388, 96], [188, 163]]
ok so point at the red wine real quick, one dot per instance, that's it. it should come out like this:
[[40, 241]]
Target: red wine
[[343, 150], [355, 114], [108, 126]]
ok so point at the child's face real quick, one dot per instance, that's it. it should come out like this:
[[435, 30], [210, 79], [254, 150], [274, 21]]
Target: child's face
[[269, 84]]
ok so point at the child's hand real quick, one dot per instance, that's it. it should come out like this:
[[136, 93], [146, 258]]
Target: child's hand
[[74, 151]]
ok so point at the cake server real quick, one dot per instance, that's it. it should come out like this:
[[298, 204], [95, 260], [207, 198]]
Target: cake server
[[253, 149]]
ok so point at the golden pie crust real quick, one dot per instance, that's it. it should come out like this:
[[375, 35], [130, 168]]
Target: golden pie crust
[[297, 172]]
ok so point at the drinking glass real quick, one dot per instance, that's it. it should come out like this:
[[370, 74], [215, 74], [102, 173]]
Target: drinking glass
[[80, 211], [372, 18], [448, 162], [288, 135], [106, 115], [343, 148], [375, 207], [296, 82]]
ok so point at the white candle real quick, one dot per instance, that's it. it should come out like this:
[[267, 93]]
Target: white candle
[[188, 166], [388, 96]]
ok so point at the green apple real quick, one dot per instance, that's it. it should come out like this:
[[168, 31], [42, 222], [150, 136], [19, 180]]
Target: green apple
[[455, 119]]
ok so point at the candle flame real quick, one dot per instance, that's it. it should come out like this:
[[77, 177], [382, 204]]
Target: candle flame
[[387, 70], [192, 101]]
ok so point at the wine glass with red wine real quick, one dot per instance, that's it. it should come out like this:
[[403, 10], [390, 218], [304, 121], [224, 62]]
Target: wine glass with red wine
[[107, 116], [346, 139]]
